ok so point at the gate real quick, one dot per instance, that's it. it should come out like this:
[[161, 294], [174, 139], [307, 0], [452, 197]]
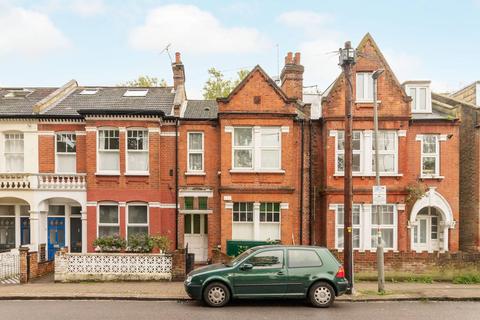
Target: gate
[[10, 267]]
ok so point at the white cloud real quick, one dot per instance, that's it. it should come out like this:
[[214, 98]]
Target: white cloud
[[28, 33], [88, 8], [405, 65], [317, 48], [191, 29]]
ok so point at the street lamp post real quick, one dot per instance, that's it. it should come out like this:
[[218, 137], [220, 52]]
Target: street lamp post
[[380, 258]]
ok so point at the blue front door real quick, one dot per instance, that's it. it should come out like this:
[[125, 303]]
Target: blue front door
[[56, 236], [24, 231]]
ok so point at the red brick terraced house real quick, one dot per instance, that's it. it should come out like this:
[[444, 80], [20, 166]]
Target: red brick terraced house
[[418, 160]]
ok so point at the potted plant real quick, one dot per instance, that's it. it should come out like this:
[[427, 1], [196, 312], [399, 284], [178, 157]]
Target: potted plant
[[162, 243], [109, 243], [140, 243]]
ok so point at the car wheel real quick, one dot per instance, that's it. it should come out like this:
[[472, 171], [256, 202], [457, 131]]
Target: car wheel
[[321, 295], [216, 294]]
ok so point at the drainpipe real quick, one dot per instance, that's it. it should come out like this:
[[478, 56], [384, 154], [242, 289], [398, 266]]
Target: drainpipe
[[310, 196], [176, 183], [301, 181]]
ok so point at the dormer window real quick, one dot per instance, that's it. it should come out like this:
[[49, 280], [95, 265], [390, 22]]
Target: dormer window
[[421, 96]]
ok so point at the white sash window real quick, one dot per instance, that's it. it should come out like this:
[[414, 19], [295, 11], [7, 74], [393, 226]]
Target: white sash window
[[14, 152], [108, 151], [137, 151], [66, 153]]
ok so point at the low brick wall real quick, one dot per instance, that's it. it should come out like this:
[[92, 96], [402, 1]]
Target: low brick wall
[[416, 262], [31, 267]]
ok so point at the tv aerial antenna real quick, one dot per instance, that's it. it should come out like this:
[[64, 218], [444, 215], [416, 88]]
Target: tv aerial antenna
[[167, 50]]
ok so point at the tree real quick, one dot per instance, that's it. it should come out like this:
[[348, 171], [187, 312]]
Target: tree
[[218, 87], [145, 81]]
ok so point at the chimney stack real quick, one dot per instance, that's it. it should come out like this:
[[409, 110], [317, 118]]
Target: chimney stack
[[292, 76], [178, 71]]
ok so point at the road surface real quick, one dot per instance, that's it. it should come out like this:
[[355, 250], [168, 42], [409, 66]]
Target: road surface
[[244, 310]]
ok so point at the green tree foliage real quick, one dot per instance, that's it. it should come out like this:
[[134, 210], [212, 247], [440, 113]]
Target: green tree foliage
[[145, 81], [218, 87]]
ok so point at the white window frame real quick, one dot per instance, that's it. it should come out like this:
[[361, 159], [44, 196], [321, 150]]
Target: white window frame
[[366, 227], [273, 222], [256, 149], [190, 151], [435, 155], [340, 226], [128, 224], [366, 78], [415, 107], [255, 223], [339, 152], [145, 151], [393, 227], [393, 152], [6, 154], [108, 224], [72, 154], [100, 150]]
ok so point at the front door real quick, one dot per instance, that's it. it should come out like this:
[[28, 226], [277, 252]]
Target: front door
[[267, 277], [196, 235], [25, 230], [75, 235], [425, 234], [56, 235]]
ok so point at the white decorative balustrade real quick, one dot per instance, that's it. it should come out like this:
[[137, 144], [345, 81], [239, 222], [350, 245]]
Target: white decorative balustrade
[[42, 181], [112, 266], [50, 181], [9, 265]]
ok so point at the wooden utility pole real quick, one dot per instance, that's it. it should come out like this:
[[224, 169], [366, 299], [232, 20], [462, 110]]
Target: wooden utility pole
[[347, 60]]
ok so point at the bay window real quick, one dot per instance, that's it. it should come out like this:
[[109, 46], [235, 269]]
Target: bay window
[[14, 149], [364, 87], [430, 156], [108, 151], [137, 220], [256, 221], [137, 151], [108, 220], [367, 221], [66, 153], [195, 152], [257, 148]]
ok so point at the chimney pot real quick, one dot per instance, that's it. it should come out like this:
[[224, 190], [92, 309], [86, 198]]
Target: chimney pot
[[177, 57], [297, 58], [289, 58]]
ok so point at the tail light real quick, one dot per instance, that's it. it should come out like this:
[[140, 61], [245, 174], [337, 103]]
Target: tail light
[[340, 273]]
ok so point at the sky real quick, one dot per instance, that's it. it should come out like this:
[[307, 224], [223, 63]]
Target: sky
[[107, 42]]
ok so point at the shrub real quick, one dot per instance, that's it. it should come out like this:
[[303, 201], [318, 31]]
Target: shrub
[[161, 242], [140, 243], [110, 243]]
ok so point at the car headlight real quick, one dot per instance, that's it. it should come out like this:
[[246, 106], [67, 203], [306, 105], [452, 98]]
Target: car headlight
[[189, 279]]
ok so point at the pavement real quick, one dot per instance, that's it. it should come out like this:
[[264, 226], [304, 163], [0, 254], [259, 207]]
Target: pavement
[[157, 290], [237, 310]]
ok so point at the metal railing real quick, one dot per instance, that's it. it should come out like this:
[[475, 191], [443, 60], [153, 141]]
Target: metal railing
[[9, 264]]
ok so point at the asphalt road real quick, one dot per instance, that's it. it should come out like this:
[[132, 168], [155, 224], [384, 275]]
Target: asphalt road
[[244, 310]]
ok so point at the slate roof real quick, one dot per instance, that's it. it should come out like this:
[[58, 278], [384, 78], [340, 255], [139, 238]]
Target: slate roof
[[111, 98], [21, 106], [201, 109]]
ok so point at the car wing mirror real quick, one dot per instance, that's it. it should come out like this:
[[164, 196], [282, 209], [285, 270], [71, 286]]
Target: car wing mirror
[[246, 266]]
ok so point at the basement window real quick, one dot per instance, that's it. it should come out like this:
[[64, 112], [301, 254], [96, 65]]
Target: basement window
[[136, 93]]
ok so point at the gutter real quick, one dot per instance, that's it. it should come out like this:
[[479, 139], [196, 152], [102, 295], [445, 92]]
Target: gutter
[[310, 188], [301, 181], [176, 183]]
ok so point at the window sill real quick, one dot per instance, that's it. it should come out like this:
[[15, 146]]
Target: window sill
[[195, 211], [370, 175], [433, 177], [367, 102], [280, 171], [107, 173], [137, 174], [193, 173]]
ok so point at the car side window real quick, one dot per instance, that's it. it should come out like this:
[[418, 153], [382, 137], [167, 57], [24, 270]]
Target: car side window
[[298, 258], [267, 260]]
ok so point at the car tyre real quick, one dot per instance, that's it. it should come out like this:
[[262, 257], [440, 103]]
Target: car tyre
[[321, 295], [216, 294]]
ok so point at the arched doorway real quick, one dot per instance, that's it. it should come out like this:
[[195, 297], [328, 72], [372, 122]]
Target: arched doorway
[[430, 219]]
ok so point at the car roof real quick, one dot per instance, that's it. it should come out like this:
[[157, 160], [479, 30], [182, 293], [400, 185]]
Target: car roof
[[286, 246]]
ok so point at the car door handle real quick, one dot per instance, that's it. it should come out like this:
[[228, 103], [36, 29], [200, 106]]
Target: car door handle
[[280, 273]]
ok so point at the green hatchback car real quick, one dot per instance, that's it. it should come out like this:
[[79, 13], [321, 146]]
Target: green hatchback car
[[273, 271]]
